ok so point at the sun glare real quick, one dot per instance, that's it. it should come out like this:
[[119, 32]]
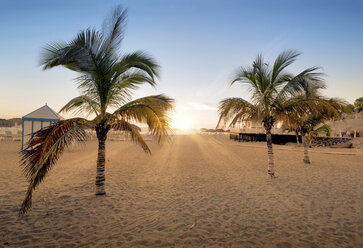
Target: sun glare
[[180, 122]]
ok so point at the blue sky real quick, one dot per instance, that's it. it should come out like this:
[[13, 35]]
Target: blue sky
[[198, 44]]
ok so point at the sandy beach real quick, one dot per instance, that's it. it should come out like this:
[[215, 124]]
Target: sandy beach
[[195, 191]]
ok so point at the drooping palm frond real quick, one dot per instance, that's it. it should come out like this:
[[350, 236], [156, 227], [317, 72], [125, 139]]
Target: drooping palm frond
[[44, 149], [299, 109], [151, 110], [332, 108], [83, 54], [322, 129], [53, 54], [300, 84], [141, 61], [300, 113], [133, 130], [236, 109], [82, 103]]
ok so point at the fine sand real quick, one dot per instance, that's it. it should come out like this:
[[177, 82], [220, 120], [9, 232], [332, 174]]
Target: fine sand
[[196, 191]]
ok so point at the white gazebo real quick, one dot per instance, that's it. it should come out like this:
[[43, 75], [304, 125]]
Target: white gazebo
[[36, 120]]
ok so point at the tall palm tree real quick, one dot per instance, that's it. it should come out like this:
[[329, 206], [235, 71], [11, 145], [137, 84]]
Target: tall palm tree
[[270, 88], [106, 82]]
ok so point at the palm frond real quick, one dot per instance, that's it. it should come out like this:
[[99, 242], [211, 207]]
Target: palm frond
[[127, 75], [113, 28], [334, 108], [151, 110], [299, 83], [87, 52], [322, 129], [45, 148], [358, 105], [122, 89], [248, 76], [107, 77], [133, 130], [82, 103], [301, 113], [52, 54], [141, 61], [282, 61], [236, 109]]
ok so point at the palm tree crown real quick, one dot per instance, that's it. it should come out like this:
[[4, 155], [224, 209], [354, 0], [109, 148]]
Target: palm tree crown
[[304, 120], [106, 82], [358, 105], [270, 89]]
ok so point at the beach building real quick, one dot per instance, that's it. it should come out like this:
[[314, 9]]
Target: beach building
[[248, 126], [248, 130], [34, 121]]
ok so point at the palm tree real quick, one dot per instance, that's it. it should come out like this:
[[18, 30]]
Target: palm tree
[[358, 105], [106, 82], [357, 109], [304, 121], [316, 128], [306, 126], [271, 88]]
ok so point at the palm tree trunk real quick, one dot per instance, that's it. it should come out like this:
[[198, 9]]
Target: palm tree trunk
[[100, 174], [355, 130], [270, 168], [305, 143], [101, 132], [297, 137]]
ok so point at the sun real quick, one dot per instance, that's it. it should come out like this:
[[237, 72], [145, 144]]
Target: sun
[[180, 122]]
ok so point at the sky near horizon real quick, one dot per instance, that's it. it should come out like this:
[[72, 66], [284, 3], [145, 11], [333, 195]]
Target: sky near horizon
[[199, 44]]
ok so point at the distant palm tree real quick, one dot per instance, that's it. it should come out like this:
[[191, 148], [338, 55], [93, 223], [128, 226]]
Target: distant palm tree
[[357, 109], [358, 105], [306, 122], [271, 89], [316, 128], [306, 125], [106, 82]]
